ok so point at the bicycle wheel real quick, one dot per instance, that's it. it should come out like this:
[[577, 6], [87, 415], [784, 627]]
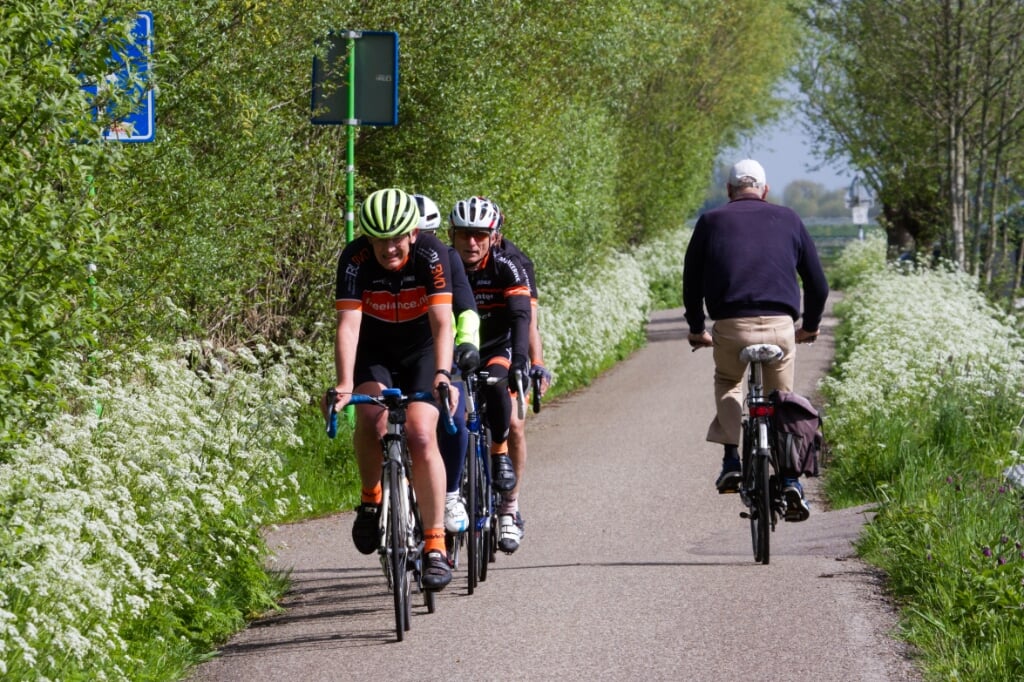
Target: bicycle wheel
[[398, 547], [474, 511], [747, 488], [762, 472]]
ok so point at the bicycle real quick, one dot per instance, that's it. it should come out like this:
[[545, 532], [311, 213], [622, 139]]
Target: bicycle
[[761, 485], [401, 529], [482, 499]]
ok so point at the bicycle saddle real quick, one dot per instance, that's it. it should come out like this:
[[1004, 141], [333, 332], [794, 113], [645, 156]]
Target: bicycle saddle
[[761, 352]]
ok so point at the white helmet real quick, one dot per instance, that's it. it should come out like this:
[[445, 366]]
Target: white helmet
[[475, 213], [430, 214]]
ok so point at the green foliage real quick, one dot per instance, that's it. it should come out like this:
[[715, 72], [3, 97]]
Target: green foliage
[[132, 541], [858, 260], [922, 98], [812, 200], [594, 125], [52, 223], [924, 417]]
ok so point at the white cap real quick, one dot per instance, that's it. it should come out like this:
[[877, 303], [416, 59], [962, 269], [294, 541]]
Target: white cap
[[750, 169]]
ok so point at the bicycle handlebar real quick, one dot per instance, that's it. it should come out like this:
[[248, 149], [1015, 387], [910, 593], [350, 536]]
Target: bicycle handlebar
[[390, 397], [332, 415], [536, 380], [520, 401]]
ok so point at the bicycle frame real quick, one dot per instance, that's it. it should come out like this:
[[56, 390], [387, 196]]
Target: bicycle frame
[[480, 497], [760, 489]]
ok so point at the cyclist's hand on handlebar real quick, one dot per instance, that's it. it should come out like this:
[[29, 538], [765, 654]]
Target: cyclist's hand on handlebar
[[521, 367], [467, 357], [702, 340], [804, 336], [341, 396], [541, 372], [453, 392]]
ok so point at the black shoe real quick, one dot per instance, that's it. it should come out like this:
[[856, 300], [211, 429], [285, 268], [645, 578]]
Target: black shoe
[[436, 571], [797, 508], [366, 528], [729, 480], [503, 475]]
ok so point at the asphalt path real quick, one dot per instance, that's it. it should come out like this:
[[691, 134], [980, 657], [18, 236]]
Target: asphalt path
[[632, 566]]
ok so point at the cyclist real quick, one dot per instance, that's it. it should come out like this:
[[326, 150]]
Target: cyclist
[[503, 300], [467, 355], [741, 262], [514, 526], [394, 317]]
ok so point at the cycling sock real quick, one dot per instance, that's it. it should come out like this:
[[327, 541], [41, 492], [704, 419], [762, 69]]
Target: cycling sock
[[731, 452], [373, 496], [433, 538], [499, 448], [509, 503]]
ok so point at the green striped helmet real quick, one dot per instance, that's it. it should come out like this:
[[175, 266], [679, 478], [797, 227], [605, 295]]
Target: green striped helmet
[[389, 213]]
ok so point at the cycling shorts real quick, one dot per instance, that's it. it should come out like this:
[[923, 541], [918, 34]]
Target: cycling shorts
[[412, 374]]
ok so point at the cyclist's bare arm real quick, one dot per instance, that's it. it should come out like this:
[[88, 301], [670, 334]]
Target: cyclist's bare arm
[[440, 316], [346, 339]]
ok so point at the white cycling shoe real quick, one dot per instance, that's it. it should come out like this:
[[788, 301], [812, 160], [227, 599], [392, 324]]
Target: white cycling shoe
[[456, 520], [510, 528]]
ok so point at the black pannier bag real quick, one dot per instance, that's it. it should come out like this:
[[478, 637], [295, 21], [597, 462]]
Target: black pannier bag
[[798, 425]]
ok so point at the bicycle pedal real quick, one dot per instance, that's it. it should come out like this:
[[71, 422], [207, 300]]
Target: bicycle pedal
[[729, 491]]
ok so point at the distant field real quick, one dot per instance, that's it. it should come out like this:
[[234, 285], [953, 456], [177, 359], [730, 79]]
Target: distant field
[[831, 237]]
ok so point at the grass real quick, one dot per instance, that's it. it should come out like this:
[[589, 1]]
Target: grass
[[924, 416]]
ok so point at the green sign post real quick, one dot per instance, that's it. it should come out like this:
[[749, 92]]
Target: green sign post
[[356, 84]]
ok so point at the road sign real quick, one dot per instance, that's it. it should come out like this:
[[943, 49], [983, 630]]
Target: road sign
[[135, 114], [376, 80]]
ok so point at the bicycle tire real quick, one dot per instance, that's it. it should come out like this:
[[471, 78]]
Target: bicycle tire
[[748, 489], [398, 548], [473, 499], [762, 473]]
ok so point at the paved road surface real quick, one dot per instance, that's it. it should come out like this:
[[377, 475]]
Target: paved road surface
[[632, 567]]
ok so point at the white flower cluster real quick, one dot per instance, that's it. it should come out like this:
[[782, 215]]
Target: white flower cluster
[[587, 324], [913, 332], [859, 259], [123, 505]]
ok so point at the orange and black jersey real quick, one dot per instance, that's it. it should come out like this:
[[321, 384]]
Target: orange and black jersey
[[502, 294], [394, 304], [511, 249]]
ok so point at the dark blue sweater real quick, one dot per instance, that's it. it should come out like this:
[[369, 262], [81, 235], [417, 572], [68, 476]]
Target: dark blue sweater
[[742, 261]]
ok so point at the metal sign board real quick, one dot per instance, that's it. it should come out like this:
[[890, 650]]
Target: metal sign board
[[135, 116], [376, 80]]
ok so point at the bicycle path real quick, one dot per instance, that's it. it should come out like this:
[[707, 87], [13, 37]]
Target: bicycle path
[[632, 566]]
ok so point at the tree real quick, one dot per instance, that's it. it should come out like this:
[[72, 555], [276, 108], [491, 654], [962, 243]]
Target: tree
[[925, 98]]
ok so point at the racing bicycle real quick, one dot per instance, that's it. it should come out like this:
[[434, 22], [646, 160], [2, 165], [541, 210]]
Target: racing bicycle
[[401, 529]]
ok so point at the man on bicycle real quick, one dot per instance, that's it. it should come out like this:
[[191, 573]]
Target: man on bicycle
[[517, 427], [741, 262], [467, 354], [394, 329], [503, 301]]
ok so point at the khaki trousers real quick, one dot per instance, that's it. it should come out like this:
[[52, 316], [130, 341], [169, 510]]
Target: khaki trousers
[[730, 337]]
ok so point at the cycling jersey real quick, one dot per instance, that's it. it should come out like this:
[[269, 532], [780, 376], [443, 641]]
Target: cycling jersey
[[394, 304], [517, 253], [502, 295]]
